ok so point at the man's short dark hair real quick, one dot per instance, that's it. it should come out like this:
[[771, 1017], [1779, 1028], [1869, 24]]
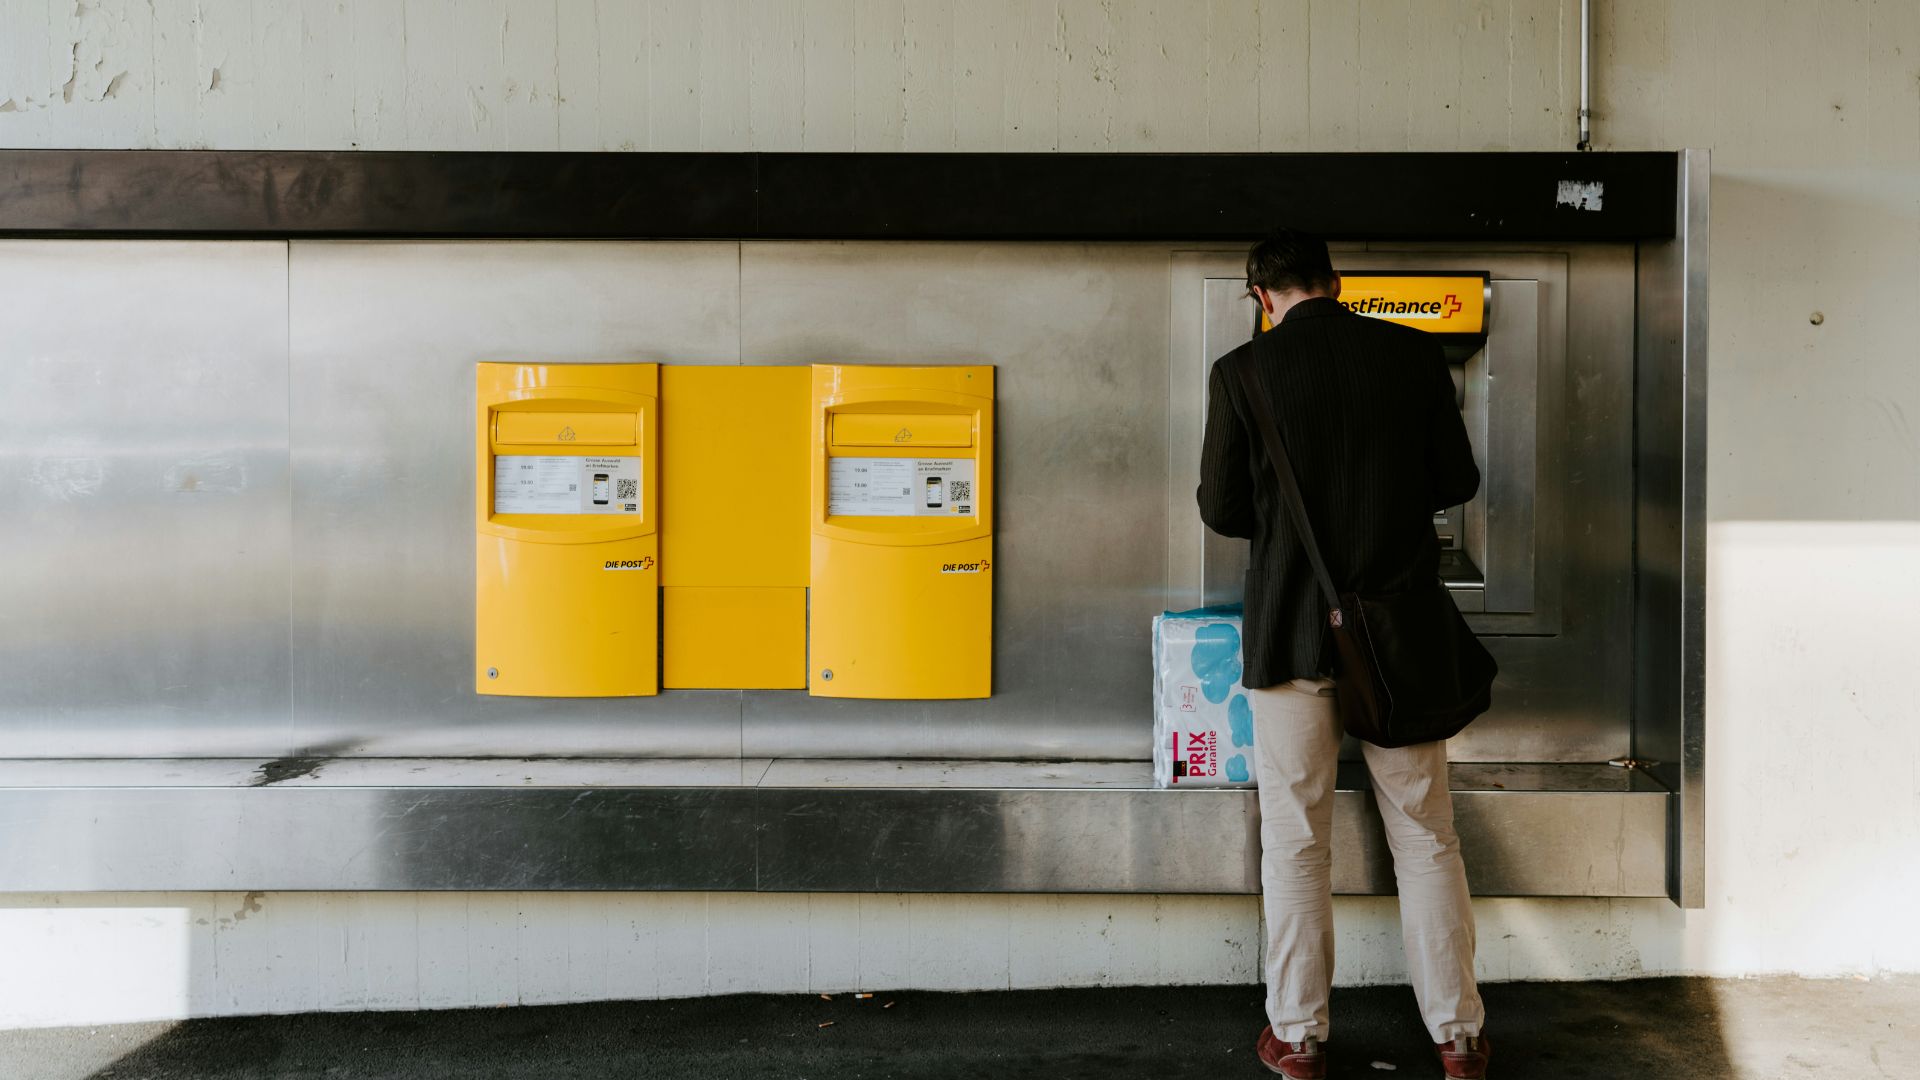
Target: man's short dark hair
[[1290, 259]]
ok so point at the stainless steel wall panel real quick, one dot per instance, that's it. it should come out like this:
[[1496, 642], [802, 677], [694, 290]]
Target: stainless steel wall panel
[[1229, 325], [855, 773], [523, 773], [1687, 878], [1570, 694], [385, 337], [1563, 843], [1009, 841], [238, 480], [1510, 528], [847, 826], [1078, 337], [143, 486], [1671, 468], [79, 839], [1525, 830], [1191, 274]]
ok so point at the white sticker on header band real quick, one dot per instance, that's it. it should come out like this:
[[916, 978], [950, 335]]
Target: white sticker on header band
[[900, 487], [565, 484]]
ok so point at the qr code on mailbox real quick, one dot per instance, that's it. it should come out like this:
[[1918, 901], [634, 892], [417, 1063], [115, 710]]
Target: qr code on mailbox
[[959, 490], [626, 488]]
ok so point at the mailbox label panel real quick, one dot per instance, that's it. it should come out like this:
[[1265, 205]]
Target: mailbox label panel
[[899, 487], [530, 484]]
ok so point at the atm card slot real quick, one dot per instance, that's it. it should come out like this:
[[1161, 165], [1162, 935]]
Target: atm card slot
[[1458, 572]]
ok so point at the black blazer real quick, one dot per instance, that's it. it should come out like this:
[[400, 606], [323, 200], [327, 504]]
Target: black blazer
[[1367, 410]]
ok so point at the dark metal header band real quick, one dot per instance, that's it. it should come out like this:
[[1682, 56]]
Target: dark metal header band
[[990, 196]]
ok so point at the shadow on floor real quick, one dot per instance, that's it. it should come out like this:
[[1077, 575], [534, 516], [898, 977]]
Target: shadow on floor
[[1566, 1031]]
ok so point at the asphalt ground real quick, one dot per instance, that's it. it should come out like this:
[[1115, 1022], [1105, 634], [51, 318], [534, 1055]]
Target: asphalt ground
[[1662, 1028]]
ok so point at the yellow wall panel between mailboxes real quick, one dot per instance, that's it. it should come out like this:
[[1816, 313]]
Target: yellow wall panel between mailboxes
[[733, 526], [720, 638], [566, 577], [902, 532], [733, 467]]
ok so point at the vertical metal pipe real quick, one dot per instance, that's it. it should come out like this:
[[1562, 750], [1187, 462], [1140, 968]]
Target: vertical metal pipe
[[1586, 75]]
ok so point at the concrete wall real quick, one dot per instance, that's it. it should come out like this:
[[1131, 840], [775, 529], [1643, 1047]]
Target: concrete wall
[[1812, 110], [788, 74]]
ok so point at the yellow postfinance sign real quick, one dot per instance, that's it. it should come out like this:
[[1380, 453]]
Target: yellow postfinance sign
[[1438, 304]]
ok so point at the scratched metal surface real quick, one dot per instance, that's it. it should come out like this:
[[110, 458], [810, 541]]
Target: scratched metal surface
[[1542, 830], [384, 341], [1670, 605], [144, 494], [237, 484], [243, 493]]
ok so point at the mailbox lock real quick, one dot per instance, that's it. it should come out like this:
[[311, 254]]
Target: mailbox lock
[[493, 673], [827, 674]]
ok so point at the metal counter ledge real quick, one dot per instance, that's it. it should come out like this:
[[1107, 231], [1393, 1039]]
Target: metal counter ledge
[[771, 825]]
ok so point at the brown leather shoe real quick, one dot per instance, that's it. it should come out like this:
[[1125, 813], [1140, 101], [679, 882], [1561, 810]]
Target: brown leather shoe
[[1465, 1058], [1297, 1061]]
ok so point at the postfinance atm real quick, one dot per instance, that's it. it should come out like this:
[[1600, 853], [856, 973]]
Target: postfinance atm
[[1453, 307], [901, 563], [566, 582]]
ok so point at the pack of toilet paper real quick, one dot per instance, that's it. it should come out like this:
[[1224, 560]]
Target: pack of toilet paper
[[1202, 721]]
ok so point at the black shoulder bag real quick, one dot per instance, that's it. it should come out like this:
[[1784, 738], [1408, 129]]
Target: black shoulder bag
[[1407, 669]]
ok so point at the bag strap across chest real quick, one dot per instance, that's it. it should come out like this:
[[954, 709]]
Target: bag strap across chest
[[1276, 454]]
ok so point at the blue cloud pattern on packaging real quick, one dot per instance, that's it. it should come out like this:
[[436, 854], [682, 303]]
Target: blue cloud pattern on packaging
[[1216, 659], [1203, 731], [1240, 720]]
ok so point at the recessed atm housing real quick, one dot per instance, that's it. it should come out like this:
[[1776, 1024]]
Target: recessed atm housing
[[1455, 307], [1495, 315], [1539, 560]]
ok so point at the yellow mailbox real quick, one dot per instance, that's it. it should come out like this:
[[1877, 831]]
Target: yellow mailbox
[[902, 532], [566, 596]]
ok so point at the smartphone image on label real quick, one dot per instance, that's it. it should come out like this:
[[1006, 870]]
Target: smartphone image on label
[[935, 496], [600, 489]]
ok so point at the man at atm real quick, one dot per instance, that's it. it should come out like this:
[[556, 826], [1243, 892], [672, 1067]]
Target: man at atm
[[1367, 411]]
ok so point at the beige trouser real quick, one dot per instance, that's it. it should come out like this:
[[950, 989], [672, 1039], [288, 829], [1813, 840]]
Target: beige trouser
[[1296, 746]]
